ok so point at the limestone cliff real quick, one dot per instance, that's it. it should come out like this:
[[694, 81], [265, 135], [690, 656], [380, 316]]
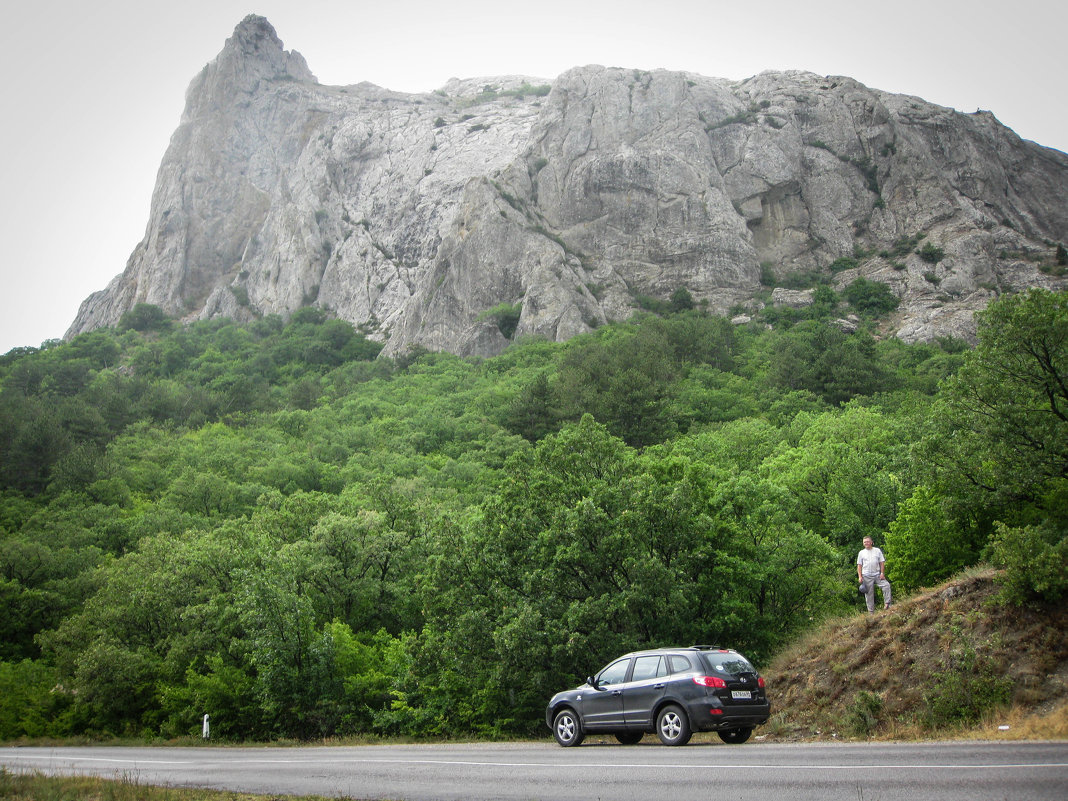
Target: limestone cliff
[[413, 215]]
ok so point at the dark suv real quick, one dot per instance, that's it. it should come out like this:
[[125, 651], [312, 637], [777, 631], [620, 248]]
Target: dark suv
[[672, 691]]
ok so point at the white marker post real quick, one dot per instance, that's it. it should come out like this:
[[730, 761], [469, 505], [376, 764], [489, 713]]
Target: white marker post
[[207, 728]]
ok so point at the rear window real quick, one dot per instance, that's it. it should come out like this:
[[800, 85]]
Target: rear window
[[731, 664]]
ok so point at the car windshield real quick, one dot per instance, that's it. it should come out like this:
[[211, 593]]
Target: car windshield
[[732, 664]]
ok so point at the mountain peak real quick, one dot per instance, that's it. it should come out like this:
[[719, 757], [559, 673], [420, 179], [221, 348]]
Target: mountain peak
[[255, 45], [251, 57], [253, 36]]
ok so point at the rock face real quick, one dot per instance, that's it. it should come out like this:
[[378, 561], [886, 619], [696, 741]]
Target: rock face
[[416, 217]]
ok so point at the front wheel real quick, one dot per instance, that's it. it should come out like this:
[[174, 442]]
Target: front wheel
[[567, 729], [734, 736], [672, 726]]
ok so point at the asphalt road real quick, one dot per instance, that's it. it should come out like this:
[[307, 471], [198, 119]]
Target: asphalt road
[[968, 771]]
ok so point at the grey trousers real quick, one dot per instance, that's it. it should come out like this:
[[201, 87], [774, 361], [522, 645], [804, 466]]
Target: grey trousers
[[868, 584]]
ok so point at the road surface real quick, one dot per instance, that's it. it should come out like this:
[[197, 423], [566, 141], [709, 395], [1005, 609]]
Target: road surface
[[1005, 771]]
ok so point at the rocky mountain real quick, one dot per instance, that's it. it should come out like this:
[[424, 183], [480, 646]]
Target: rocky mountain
[[427, 219]]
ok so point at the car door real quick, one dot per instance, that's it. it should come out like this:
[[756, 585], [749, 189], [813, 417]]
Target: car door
[[602, 707], [645, 688]]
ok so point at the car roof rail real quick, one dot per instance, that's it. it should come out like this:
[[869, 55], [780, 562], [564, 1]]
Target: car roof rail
[[707, 648]]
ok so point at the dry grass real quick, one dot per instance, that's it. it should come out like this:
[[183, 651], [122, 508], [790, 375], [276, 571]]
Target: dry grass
[[880, 675], [38, 787]]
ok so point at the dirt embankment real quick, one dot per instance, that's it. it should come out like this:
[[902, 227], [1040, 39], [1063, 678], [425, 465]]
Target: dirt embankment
[[951, 660]]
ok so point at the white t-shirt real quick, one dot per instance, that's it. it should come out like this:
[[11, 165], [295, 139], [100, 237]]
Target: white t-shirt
[[870, 561]]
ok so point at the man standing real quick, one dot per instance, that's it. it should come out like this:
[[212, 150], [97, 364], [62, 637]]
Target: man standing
[[871, 566]]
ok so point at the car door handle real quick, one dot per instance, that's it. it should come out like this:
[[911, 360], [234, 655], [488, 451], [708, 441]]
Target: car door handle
[[659, 686], [617, 692]]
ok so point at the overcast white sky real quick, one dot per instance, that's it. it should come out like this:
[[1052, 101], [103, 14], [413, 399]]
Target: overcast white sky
[[94, 88]]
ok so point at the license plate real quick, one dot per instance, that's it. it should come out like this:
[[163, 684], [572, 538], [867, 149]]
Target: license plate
[[746, 694]]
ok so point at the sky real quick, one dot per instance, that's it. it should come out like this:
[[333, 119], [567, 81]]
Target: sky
[[94, 90]]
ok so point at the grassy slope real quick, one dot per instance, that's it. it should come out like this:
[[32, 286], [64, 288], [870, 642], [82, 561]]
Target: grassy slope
[[885, 675]]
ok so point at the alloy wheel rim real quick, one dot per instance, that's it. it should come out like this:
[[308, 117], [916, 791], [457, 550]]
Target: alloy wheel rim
[[671, 726], [566, 728]]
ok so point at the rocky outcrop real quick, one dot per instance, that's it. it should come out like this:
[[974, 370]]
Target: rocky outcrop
[[416, 216]]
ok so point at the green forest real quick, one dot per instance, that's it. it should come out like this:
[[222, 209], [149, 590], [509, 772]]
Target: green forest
[[273, 524]]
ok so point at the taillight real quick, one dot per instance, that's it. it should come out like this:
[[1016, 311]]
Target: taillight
[[760, 681], [710, 681]]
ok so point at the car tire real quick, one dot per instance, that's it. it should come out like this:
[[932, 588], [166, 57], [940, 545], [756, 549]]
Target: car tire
[[567, 728], [672, 726], [734, 736], [630, 737]]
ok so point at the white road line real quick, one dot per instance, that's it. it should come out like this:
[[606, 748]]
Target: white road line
[[133, 763], [64, 758], [672, 766]]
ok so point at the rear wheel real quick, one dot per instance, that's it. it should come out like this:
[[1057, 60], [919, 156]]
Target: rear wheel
[[629, 737], [734, 736], [672, 726], [567, 729]]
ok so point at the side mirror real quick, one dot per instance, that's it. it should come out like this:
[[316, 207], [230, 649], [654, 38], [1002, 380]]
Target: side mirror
[[590, 680]]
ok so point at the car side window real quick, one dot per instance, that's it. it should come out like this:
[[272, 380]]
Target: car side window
[[615, 673], [679, 664], [646, 667]]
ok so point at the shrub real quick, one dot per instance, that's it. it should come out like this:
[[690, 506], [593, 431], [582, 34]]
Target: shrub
[[870, 297], [824, 301], [240, 294], [843, 263], [681, 300], [967, 686], [747, 117], [650, 304], [869, 171], [1035, 559], [506, 316], [951, 344], [804, 279], [902, 247], [526, 89], [144, 317], [28, 706], [863, 715], [926, 545], [931, 254]]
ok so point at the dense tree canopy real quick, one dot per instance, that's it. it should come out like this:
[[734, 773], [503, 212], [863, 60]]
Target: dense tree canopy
[[272, 524]]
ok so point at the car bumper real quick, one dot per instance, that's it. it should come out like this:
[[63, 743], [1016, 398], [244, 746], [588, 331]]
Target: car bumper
[[709, 717]]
